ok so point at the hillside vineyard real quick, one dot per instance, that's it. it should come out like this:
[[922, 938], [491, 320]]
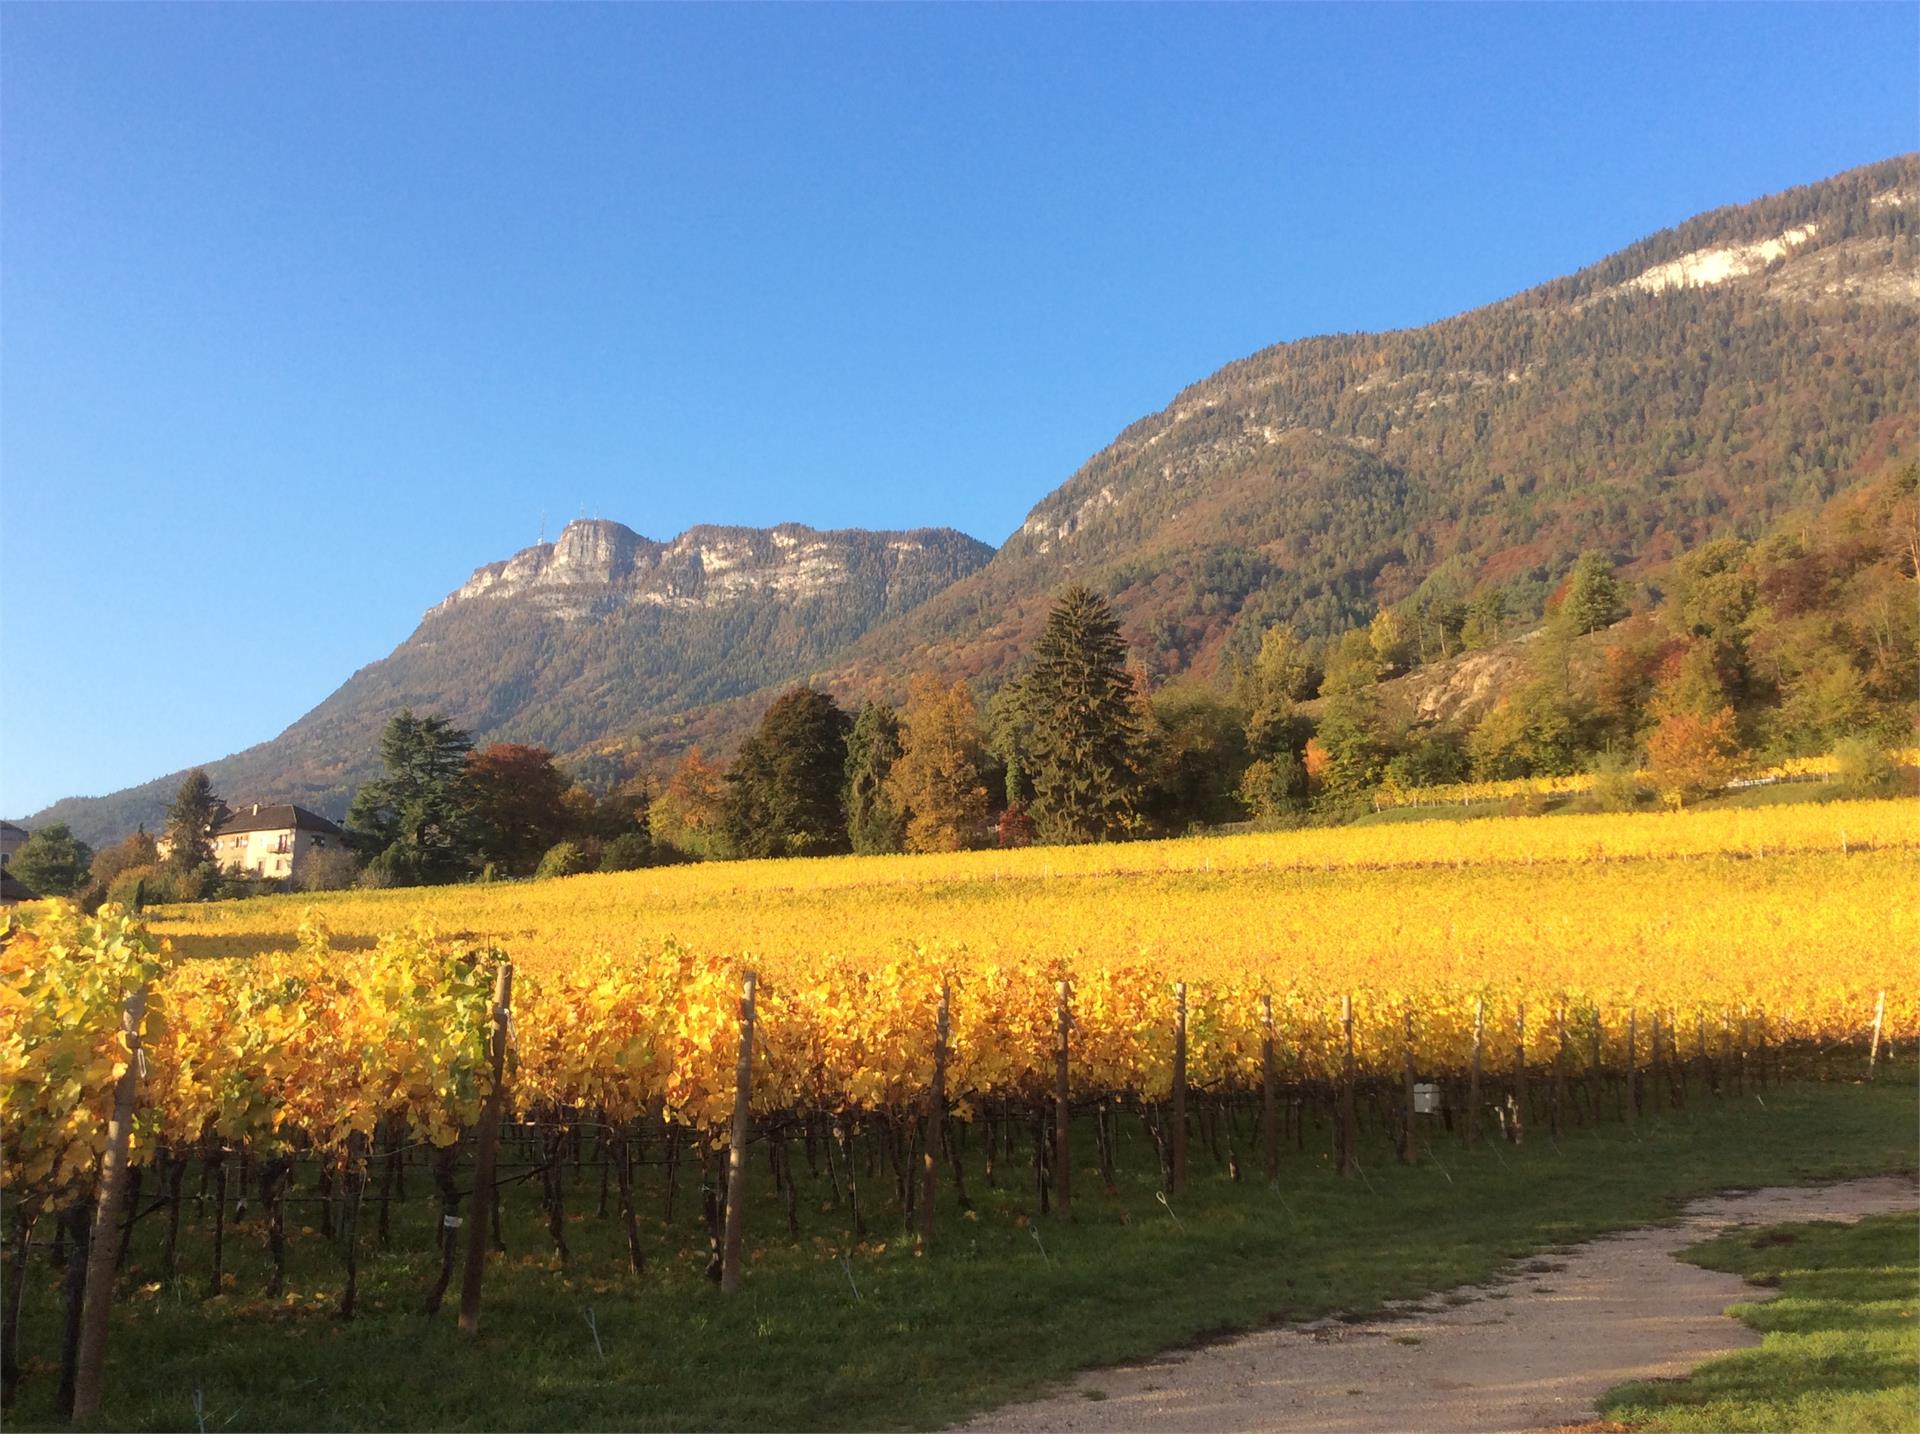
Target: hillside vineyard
[[1512, 973]]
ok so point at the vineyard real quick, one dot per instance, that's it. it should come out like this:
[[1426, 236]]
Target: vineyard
[[1795, 769], [880, 1032]]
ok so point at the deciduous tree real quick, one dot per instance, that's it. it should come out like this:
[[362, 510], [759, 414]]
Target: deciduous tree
[[517, 799], [688, 819], [51, 862], [936, 780], [1690, 756], [1199, 751], [1281, 675]]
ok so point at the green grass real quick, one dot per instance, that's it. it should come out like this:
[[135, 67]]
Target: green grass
[[1004, 1306], [1841, 1348]]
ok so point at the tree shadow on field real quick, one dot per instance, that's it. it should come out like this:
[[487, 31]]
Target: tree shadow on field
[[195, 946]]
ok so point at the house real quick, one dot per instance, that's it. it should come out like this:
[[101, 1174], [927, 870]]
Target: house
[[12, 838], [275, 841], [13, 891]]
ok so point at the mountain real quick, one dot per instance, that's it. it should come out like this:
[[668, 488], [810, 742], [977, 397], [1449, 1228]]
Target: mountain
[[565, 643], [1752, 361], [1748, 363]]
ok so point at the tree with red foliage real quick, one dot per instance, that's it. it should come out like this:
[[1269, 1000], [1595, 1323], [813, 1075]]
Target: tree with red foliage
[[1690, 756], [518, 801]]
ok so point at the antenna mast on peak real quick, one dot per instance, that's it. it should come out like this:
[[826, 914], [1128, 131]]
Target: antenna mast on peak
[[543, 526]]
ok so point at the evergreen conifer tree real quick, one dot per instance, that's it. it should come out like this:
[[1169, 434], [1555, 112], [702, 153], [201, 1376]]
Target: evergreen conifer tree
[[416, 819], [784, 787], [1083, 725], [196, 814], [1593, 596], [874, 823]]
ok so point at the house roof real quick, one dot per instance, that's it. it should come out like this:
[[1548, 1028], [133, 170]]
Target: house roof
[[12, 888], [14, 827], [282, 816]]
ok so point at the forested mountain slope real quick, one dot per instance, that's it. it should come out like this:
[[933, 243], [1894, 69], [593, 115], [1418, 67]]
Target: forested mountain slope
[[1702, 382], [1749, 363]]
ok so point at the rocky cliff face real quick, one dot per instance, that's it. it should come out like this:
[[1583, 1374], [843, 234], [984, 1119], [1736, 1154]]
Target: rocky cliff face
[[596, 565]]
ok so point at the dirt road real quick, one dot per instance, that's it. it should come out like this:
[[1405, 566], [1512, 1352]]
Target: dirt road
[[1530, 1353]]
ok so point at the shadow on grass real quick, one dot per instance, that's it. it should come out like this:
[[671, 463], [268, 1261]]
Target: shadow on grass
[[832, 1332]]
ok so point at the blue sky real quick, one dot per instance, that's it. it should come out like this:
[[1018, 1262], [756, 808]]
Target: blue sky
[[307, 312]]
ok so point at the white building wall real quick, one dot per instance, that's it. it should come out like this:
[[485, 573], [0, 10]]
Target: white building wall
[[283, 853]]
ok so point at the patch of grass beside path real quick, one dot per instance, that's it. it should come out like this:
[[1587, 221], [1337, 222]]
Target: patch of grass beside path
[[1842, 1345], [1006, 1304]]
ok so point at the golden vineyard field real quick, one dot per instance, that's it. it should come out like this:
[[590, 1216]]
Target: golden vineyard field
[[1767, 929], [1198, 906]]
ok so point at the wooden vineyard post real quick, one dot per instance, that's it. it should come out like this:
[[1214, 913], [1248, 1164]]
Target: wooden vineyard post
[[1633, 1093], [1518, 1130], [103, 1248], [1062, 1115], [1597, 1043], [1409, 1142], [487, 1143], [1709, 1076], [1879, 1020], [742, 1134], [1740, 1066], [1653, 1061], [1177, 1176], [936, 1122], [1676, 1061], [1269, 1126], [354, 1183], [622, 1155], [1348, 1160], [1473, 1072], [1559, 1111]]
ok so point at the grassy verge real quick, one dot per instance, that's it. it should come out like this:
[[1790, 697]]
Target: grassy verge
[[1841, 1348], [829, 1333]]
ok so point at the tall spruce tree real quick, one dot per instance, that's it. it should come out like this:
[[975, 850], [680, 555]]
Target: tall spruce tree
[[784, 787], [196, 814], [874, 823], [1083, 746], [1593, 598], [415, 820]]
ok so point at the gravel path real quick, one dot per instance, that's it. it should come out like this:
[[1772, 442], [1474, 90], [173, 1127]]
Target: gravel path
[[1529, 1353]]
